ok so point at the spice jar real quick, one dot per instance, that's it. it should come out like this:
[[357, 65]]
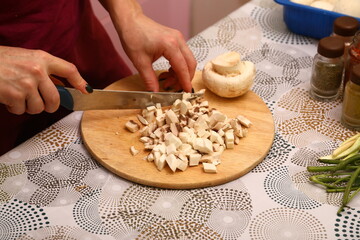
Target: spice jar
[[353, 57], [327, 69], [351, 104], [345, 28]]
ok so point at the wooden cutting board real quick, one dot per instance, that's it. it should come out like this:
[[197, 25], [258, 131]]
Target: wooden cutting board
[[109, 142]]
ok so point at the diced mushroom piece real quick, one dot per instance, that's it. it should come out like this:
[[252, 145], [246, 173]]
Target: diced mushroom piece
[[170, 149], [170, 117], [186, 96], [200, 123], [160, 148], [172, 162], [216, 117], [229, 139], [244, 121], [194, 159], [156, 155], [160, 164], [142, 120], [145, 139], [134, 151], [203, 145], [145, 132], [150, 116], [160, 120], [182, 165], [191, 122], [236, 140], [218, 126], [215, 137], [204, 104], [150, 157], [170, 138], [132, 126], [185, 148], [221, 132], [174, 129], [237, 128], [151, 108], [209, 168]]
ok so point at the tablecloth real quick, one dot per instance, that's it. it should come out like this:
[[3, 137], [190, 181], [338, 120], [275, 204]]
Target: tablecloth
[[52, 188]]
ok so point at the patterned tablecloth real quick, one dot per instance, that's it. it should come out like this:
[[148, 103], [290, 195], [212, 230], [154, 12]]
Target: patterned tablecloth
[[51, 187]]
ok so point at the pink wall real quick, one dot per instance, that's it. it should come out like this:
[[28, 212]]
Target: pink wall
[[171, 13]]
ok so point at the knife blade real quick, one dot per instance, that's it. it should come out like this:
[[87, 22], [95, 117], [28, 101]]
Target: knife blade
[[73, 99]]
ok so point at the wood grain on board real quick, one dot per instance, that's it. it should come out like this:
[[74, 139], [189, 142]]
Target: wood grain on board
[[108, 141]]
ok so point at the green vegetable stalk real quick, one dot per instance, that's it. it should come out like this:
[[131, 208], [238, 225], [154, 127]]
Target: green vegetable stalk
[[342, 172]]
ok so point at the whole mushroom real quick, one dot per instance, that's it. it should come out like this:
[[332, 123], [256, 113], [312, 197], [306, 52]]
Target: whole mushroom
[[227, 76]]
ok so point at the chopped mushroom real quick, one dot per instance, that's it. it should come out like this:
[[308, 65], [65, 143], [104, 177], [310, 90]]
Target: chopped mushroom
[[187, 134]]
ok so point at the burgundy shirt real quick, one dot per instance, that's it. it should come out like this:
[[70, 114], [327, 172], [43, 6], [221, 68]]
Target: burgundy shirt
[[64, 28]]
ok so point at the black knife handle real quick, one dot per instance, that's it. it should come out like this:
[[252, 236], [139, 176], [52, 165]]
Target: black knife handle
[[66, 99]]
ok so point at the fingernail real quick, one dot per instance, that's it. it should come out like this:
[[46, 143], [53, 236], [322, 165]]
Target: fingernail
[[89, 89]]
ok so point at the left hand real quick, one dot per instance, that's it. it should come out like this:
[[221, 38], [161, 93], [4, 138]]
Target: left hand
[[144, 41]]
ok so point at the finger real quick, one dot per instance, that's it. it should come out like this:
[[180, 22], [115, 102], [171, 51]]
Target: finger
[[179, 65], [17, 105], [69, 71], [50, 96], [148, 75], [190, 60], [34, 103]]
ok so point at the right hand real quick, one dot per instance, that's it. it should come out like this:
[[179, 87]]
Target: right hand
[[25, 83]]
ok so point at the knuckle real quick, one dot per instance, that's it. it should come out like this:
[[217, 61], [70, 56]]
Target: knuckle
[[40, 53]]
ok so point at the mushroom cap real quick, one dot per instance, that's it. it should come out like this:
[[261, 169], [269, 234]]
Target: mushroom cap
[[231, 85]]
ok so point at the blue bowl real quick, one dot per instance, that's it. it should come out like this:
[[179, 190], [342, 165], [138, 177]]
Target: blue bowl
[[308, 21]]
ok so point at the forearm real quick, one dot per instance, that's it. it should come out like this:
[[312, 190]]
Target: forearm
[[122, 12]]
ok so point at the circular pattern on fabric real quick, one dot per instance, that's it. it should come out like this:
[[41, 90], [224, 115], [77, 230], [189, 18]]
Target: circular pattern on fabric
[[17, 217], [286, 224], [128, 212], [347, 225], [274, 28], [59, 178], [59, 232], [169, 203], [278, 70], [301, 119], [86, 213], [279, 153], [280, 188], [178, 230], [219, 209], [55, 137], [12, 179]]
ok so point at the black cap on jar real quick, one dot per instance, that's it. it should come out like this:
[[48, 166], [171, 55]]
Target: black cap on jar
[[355, 74], [346, 26], [331, 47]]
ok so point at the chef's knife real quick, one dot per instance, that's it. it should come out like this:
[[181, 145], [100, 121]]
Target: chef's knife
[[73, 99]]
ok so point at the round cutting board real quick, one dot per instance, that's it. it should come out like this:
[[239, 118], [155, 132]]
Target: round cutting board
[[108, 141]]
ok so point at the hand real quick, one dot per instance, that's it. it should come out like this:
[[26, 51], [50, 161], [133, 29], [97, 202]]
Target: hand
[[25, 83], [144, 41]]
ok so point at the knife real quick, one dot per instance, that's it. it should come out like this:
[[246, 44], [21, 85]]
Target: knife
[[73, 99]]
